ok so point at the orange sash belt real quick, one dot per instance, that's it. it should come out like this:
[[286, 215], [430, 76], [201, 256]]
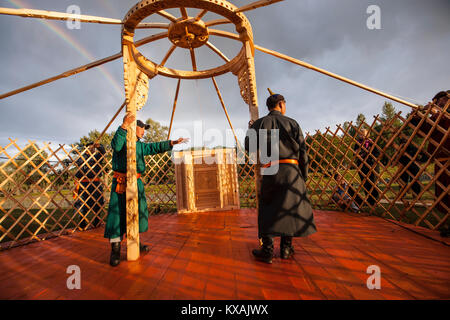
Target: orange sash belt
[[122, 181], [77, 185], [291, 161]]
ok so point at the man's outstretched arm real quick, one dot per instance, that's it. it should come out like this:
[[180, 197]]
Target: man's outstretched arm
[[162, 146]]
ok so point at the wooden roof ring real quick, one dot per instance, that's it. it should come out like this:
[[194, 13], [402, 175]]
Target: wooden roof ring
[[195, 27], [186, 32]]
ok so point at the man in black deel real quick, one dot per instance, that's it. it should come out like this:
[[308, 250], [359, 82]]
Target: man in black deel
[[284, 208], [89, 187]]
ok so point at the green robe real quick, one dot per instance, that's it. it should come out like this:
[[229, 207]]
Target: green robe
[[116, 220]]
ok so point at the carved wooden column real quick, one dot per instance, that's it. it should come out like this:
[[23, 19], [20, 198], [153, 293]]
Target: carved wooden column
[[136, 94], [252, 101], [130, 80]]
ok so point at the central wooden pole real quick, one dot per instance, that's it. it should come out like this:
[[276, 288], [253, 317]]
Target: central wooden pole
[[252, 98], [130, 79]]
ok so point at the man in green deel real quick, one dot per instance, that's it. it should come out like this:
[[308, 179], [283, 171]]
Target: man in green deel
[[116, 220]]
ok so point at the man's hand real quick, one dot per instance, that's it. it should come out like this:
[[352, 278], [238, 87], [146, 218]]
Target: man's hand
[[250, 123], [433, 108], [128, 120], [178, 141]]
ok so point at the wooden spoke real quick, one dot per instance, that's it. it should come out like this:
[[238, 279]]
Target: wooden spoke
[[54, 15], [213, 48], [257, 4], [226, 34], [216, 22], [194, 64], [167, 15], [183, 12], [151, 38], [201, 14], [164, 60], [84, 67], [174, 107], [333, 75], [151, 25]]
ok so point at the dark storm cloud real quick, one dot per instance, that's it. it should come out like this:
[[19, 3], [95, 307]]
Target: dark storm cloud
[[408, 57]]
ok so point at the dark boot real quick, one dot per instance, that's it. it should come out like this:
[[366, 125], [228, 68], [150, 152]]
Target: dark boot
[[265, 254], [286, 248], [143, 248], [97, 222], [445, 232], [115, 254], [83, 225]]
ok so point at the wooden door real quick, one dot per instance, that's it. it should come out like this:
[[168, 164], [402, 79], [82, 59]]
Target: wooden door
[[207, 192]]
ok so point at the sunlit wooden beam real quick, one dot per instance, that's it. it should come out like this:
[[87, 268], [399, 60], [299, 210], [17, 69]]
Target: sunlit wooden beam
[[164, 60], [83, 68], [257, 4], [174, 107], [151, 38], [110, 122], [226, 34], [216, 22], [213, 48], [311, 67], [54, 15], [194, 63], [201, 14], [62, 75], [183, 12], [333, 75], [226, 112], [167, 15], [152, 25]]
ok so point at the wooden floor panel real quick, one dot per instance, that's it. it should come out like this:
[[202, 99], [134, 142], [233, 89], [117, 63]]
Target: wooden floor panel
[[208, 256]]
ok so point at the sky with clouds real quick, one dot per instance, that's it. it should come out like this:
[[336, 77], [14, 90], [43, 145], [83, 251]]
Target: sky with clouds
[[407, 57]]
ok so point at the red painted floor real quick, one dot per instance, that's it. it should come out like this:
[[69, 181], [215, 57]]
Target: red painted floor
[[208, 256]]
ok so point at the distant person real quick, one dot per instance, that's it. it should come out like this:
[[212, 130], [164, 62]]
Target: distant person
[[438, 147], [365, 157], [88, 185], [343, 193], [410, 167], [284, 209]]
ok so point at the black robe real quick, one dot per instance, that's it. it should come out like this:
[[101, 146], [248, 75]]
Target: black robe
[[284, 207], [90, 193]]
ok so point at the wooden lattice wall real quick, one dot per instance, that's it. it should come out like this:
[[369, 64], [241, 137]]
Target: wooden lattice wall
[[402, 175], [37, 186], [396, 178]]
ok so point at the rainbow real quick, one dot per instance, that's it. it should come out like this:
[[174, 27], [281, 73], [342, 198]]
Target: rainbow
[[61, 33]]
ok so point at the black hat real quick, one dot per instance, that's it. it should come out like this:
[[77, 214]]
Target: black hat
[[440, 95], [141, 124], [273, 100]]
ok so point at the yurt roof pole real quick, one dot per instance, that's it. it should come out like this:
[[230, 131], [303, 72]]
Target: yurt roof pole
[[110, 122], [82, 68], [349, 81], [174, 107], [226, 112]]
